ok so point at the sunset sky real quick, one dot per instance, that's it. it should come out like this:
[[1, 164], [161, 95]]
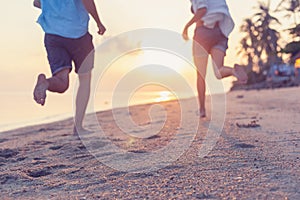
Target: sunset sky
[[23, 55]]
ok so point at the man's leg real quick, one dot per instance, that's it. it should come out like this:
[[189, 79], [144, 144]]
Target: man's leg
[[58, 83], [201, 64], [222, 71], [82, 99]]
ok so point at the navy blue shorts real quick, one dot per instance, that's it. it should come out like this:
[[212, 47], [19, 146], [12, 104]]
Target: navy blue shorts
[[205, 39], [61, 52]]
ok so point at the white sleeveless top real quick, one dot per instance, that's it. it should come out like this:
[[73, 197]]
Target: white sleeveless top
[[217, 11]]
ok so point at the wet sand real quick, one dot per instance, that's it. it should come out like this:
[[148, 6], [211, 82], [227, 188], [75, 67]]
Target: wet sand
[[256, 155]]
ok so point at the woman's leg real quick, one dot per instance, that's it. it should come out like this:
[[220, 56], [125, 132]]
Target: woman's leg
[[201, 64], [222, 71]]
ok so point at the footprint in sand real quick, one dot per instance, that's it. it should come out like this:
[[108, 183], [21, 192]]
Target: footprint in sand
[[56, 147], [7, 179], [8, 153], [47, 129], [3, 140], [45, 171], [38, 142], [137, 151], [117, 173], [244, 146], [38, 161], [39, 172], [154, 137]]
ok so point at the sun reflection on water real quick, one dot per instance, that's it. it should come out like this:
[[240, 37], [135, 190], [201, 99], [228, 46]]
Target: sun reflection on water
[[164, 96]]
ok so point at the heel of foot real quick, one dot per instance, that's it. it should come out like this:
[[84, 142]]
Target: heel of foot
[[201, 114], [40, 89]]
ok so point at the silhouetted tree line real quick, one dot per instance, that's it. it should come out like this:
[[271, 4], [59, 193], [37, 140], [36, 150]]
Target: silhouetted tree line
[[261, 46]]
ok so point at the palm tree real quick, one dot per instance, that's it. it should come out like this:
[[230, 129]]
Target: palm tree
[[267, 36], [247, 43], [295, 32], [292, 7], [260, 43]]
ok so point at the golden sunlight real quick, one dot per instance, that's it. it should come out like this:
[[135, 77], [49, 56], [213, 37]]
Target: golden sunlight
[[151, 93], [163, 58], [164, 96]]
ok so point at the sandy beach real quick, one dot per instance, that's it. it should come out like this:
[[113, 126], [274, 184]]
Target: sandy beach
[[255, 156]]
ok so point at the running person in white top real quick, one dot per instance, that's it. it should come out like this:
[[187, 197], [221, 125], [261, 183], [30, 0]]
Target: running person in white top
[[213, 25]]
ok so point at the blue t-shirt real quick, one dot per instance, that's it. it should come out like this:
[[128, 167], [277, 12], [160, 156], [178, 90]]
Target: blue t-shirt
[[66, 18]]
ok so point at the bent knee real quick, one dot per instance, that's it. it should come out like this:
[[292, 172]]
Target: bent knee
[[63, 85], [218, 75]]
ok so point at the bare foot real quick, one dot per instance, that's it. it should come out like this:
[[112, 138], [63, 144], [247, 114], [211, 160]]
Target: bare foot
[[201, 113], [240, 74], [81, 130], [40, 89]]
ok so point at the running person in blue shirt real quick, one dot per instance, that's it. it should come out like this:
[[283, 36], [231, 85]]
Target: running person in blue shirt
[[67, 40], [213, 26]]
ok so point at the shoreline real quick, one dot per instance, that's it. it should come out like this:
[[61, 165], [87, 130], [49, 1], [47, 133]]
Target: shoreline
[[62, 117], [56, 117]]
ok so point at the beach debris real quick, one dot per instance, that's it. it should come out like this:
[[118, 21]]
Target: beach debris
[[154, 137], [240, 96], [252, 124]]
